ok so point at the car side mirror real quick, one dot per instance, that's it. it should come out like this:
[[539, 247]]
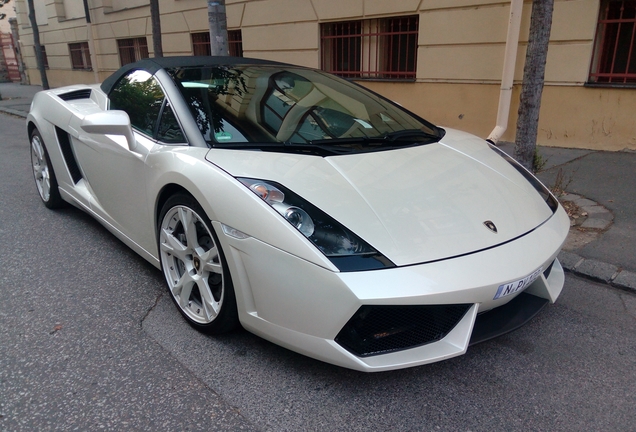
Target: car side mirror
[[113, 122]]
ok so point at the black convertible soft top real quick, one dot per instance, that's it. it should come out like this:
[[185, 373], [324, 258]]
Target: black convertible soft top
[[152, 65]]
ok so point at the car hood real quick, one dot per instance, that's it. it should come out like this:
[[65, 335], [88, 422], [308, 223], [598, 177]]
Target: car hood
[[414, 205]]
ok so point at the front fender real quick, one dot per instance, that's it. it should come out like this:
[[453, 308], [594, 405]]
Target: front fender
[[226, 200]]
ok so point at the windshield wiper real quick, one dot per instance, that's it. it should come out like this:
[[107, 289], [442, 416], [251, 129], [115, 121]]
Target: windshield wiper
[[415, 136], [339, 146], [411, 133], [350, 140], [318, 149]]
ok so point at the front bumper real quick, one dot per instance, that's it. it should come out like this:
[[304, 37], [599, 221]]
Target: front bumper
[[304, 307]]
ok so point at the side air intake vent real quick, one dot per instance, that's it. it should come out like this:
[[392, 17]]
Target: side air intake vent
[[69, 157], [76, 94], [377, 330]]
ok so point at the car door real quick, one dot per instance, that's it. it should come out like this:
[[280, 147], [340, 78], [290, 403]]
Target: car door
[[116, 173]]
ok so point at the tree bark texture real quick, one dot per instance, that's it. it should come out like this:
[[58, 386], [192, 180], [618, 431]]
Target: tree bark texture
[[533, 78], [39, 58], [218, 28], [155, 18]]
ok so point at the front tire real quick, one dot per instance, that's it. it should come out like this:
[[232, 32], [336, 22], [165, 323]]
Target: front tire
[[194, 266], [45, 179]]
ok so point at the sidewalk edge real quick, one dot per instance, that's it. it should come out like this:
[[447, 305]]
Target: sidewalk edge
[[13, 112], [598, 271]]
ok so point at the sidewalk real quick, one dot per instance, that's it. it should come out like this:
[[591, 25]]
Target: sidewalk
[[602, 185], [16, 98]]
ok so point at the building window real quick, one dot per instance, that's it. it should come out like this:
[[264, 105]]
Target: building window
[[80, 56], [201, 43], [615, 52], [45, 59], [235, 43], [131, 50], [378, 49]]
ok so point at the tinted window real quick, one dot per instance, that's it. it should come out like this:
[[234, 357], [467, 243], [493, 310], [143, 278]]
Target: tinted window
[[169, 129], [140, 95]]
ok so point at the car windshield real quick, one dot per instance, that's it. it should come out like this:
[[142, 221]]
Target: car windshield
[[293, 108]]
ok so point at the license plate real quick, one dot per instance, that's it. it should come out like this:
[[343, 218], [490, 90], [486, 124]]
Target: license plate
[[518, 285]]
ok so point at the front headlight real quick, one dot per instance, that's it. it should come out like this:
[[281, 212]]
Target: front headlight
[[344, 249]]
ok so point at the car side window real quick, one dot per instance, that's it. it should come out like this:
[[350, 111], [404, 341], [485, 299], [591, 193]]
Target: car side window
[[169, 130], [138, 94]]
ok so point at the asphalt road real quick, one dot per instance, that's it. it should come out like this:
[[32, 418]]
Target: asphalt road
[[89, 339]]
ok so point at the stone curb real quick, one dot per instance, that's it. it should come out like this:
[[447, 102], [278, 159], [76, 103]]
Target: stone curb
[[598, 217], [598, 271], [13, 112]]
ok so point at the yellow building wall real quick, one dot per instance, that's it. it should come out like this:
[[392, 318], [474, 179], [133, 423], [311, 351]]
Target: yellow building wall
[[575, 117], [459, 66]]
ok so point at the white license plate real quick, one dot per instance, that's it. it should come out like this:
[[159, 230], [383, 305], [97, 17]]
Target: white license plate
[[518, 285]]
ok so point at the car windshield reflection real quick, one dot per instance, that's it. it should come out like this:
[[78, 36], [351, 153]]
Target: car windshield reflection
[[292, 106]]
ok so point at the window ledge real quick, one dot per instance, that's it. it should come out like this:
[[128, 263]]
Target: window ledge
[[395, 80], [610, 85]]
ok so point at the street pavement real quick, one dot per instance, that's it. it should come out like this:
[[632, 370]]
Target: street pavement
[[73, 354]]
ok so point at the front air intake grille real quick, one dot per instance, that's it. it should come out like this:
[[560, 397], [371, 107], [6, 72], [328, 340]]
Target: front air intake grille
[[76, 94], [377, 330]]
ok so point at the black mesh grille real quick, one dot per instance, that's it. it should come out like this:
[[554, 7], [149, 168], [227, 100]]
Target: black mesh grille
[[76, 94], [377, 330]]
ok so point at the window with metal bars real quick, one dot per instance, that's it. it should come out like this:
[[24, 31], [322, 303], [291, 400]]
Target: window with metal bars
[[615, 51], [235, 43], [131, 50], [80, 56], [383, 48], [201, 43]]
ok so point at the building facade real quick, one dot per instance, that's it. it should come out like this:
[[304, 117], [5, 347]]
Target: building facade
[[8, 61], [442, 59]]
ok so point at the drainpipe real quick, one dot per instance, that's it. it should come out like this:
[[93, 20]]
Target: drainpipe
[[91, 42], [507, 78]]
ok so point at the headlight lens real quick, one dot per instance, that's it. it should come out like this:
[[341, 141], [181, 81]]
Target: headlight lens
[[547, 196], [344, 248]]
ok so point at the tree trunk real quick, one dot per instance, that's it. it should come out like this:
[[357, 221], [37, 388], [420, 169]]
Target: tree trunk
[[39, 58], [218, 28], [155, 18], [533, 77]]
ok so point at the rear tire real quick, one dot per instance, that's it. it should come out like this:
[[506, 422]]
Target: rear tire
[[43, 173], [194, 266]]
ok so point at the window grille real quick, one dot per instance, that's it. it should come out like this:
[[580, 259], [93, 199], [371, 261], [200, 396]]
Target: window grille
[[235, 43], [615, 52], [201, 43], [80, 56], [131, 50], [375, 49]]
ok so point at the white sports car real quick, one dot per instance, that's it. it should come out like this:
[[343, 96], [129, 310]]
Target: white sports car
[[309, 210]]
